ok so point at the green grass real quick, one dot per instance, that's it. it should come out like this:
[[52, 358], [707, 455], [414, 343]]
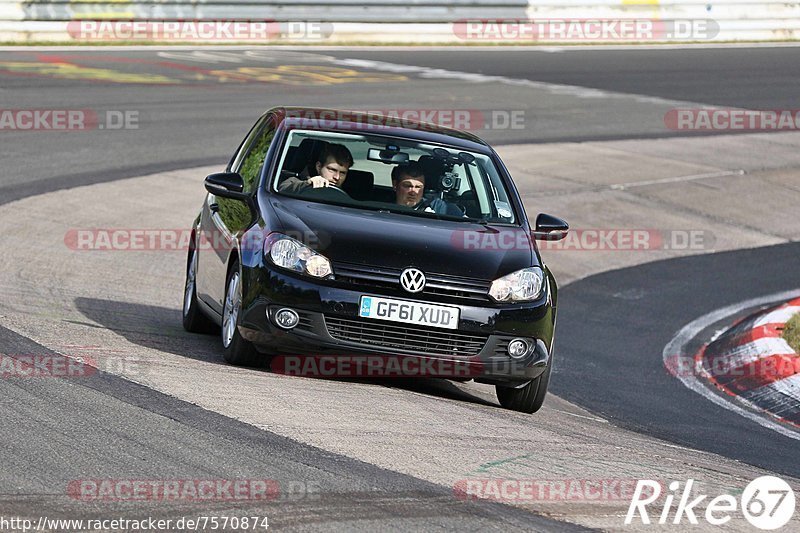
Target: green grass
[[792, 332]]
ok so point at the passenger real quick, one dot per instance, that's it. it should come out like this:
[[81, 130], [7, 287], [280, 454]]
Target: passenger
[[332, 165], [408, 181]]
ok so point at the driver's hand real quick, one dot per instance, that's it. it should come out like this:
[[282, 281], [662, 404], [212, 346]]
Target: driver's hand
[[317, 182]]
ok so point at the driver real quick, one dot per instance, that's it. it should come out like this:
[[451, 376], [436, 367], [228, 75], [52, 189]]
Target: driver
[[408, 181], [332, 165]]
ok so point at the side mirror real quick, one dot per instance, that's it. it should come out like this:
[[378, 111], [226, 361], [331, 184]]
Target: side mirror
[[231, 185], [226, 184], [550, 228]]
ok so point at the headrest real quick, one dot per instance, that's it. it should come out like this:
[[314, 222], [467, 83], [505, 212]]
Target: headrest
[[359, 184], [433, 169], [306, 155]]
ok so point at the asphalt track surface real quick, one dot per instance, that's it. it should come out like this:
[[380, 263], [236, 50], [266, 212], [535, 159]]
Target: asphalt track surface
[[612, 326], [154, 436], [753, 78], [619, 321], [191, 97]]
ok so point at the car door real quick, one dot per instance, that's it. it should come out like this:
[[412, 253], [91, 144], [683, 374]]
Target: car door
[[224, 219]]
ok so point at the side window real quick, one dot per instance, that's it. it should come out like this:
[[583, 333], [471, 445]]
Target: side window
[[248, 163], [244, 147], [250, 159]]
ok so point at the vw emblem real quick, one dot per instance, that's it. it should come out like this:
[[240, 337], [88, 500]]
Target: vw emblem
[[412, 280]]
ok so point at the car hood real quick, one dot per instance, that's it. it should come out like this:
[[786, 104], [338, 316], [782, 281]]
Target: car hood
[[392, 240]]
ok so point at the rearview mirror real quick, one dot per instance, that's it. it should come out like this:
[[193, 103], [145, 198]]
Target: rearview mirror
[[550, 228], [387, 156]]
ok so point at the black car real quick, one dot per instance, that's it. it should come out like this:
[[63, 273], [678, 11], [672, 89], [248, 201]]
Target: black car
[[287, 268]]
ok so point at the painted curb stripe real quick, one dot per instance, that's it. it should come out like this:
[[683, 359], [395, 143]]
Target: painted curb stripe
[[780, 315], [741, 326], [675, 354], [753, 362], [760, 373], [727, 344], [746, 354], [779, 398]]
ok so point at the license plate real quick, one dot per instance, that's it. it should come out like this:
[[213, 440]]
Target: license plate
[[439, 316]]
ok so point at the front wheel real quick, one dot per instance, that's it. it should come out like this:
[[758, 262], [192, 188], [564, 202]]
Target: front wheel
[[236, 350], [529, 398]]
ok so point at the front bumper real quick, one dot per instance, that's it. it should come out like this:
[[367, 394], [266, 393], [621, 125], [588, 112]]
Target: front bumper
[[330, 327]]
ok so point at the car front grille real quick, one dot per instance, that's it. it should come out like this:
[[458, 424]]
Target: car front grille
[[501, 348], [439, 284], [412, 339], [306, 321]]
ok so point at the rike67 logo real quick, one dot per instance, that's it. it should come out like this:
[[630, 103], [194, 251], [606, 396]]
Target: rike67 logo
[[767, 502]]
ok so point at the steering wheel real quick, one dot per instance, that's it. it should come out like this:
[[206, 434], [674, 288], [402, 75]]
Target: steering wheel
[[338, 190], [320, 191]]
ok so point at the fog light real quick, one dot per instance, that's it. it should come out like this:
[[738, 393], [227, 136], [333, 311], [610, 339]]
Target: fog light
[[286, 318], [517, 348]]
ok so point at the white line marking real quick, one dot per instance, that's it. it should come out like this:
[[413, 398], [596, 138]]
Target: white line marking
[[203, 56], [240, 56], [581, 416], [678, 344], [669, 445], [677, 179], [554, 88]]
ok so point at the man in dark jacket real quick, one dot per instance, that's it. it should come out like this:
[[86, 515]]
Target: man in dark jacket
[[408, 181], [332, 165]]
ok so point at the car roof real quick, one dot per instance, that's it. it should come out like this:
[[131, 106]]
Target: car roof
[[376, 123]]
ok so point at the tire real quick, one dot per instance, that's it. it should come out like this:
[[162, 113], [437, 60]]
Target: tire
[[194, 320], [236, 350], [529, 398]]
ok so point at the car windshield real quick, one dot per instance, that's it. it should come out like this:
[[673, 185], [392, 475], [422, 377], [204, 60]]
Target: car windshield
[[393, 174]]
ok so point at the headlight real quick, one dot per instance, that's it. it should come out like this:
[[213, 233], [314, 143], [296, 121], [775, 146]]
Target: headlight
[[520, 286], [292, 254]]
